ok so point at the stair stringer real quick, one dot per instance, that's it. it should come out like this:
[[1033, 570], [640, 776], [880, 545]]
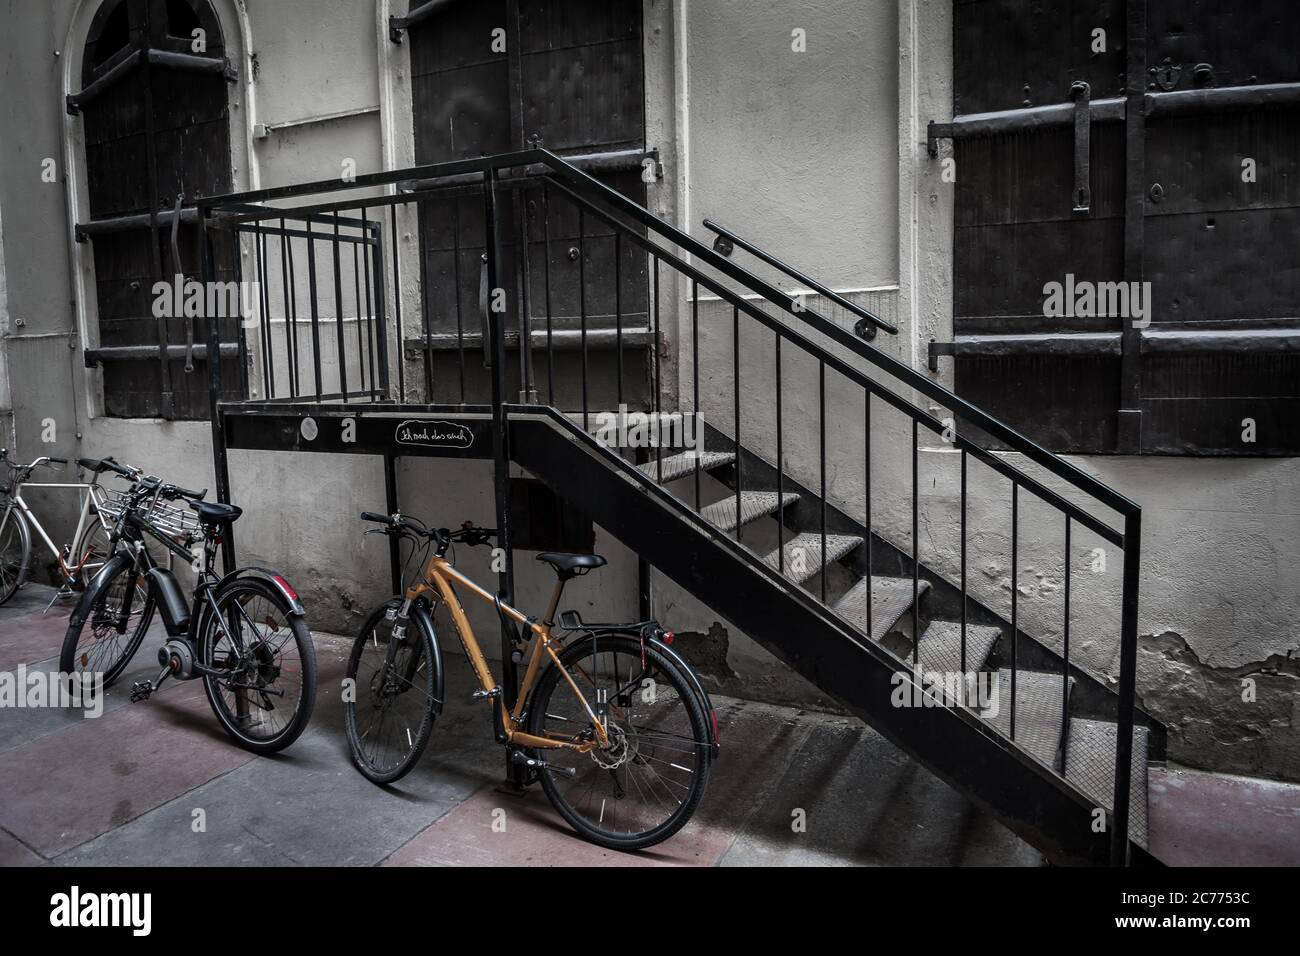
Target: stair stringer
[[1025, 795]]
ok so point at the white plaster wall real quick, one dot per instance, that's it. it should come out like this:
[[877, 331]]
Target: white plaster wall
[[796, 150]]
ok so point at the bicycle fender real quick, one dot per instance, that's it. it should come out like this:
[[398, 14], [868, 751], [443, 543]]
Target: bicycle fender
[[273, 578], [420, 611], [87, 599], [701, 694]]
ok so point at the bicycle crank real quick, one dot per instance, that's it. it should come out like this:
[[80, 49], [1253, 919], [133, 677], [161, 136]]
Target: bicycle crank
[[537, 763]]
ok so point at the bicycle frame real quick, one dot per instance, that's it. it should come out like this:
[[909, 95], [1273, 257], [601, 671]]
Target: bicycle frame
[[94, 495], [438, 579]]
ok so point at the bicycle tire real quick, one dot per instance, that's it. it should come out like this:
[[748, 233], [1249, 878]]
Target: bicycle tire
[[97, 592], [298, 631], [13, 575], [540, 708], [425, 645]]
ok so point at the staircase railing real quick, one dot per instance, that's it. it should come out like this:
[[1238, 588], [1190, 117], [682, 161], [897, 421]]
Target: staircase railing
[[781, 339]]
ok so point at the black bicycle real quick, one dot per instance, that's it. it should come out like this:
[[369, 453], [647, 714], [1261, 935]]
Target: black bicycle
[[246, 635]]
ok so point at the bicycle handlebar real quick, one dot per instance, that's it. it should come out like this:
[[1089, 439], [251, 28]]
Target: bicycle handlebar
[[467, 533]]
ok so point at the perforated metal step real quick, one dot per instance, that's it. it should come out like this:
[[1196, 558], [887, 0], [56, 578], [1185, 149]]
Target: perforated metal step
[[753, 505], [683, 463], [1090, 765], [803, 554], [891, 598], [1038, 701], [941, 647]]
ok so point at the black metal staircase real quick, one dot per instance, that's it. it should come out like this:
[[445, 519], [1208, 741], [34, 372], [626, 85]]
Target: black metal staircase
[[756, 523]]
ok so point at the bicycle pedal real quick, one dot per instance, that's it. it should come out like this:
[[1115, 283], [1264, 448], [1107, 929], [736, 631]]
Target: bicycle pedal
[[537, 763], [141, 690]]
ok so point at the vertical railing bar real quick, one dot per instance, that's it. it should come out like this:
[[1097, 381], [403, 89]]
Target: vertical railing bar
[[425, 295], [916, 551], [239, 330], [821, 444], [1127, 689], [582, 305], [963, 574], [546, 266], [356, 295], [780, 464], [1065, 648], [658, 382], [618, 316], [264, 297], [695, 384], [455, 278], [375, 306], [866, 472], [338, 312], [289, 283], [315, 306], [527, 387], [397, 308], [735, 381], [1015, 629]]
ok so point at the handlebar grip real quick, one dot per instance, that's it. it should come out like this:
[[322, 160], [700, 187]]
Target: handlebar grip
[[179, 492], [371, 516], [58, 461]]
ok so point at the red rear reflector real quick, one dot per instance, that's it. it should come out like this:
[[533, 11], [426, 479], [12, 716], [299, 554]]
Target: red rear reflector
[[668, 637], [293, 595], [713, 716]]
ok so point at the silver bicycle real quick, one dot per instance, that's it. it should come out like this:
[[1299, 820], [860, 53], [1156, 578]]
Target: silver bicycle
[[79, 561]]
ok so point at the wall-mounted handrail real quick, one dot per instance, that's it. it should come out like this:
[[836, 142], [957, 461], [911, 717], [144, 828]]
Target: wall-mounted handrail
[[869, 322], [902, 372], [852, 374]]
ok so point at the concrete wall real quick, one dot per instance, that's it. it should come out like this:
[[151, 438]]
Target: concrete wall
[[816, 155]]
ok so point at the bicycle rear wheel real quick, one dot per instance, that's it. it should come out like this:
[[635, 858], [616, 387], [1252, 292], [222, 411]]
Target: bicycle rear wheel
[[15, 552], [265, 696], [390, 710], [647, 783]]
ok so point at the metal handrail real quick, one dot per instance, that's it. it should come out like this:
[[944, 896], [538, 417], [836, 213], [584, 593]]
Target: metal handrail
[[904, 373], [869, 322]]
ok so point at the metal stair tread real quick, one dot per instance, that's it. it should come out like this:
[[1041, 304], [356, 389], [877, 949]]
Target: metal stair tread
[[753, 505], [891, 598], [683, 463], [1038, 708], [941, 647], [1090, 765], [803, 553]]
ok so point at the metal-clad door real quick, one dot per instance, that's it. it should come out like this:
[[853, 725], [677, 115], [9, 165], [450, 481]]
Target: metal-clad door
[[1147, 141], [570, 76]]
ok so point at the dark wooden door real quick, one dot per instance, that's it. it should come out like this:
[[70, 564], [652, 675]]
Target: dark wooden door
[[1194, 181], [154, 133], [570, 76]]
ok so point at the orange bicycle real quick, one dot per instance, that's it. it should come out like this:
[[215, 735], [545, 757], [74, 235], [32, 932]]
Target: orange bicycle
[[609, 718]]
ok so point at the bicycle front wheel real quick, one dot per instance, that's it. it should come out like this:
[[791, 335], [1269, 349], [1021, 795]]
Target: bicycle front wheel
[[15, 552], [121, 611], [390, 697], [265, 690], [644, 786]]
